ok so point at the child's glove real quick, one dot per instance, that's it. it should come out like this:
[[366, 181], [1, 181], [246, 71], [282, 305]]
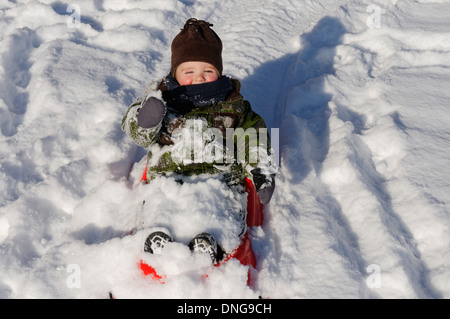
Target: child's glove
[[264, 184], [151, 112]]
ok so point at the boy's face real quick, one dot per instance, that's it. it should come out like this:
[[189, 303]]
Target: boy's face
[[195, 72]]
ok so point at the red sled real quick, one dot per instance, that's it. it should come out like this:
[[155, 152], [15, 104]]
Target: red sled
[[244, 253]]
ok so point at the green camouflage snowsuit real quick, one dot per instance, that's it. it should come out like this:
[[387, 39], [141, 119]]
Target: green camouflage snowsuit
[[226, 138]]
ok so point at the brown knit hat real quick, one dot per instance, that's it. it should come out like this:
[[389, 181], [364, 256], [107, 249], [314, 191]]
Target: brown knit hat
[[197, 42]]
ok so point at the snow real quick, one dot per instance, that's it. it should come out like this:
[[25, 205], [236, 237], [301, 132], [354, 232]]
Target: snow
[[358, 90]]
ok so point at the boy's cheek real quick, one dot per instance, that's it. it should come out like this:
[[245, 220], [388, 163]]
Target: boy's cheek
[[212, 78], [184, 81]]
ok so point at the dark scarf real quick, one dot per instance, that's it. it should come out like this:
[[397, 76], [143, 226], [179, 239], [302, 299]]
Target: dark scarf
[[184, 98]]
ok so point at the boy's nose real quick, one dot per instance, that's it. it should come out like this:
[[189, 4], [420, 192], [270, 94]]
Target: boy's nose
[[199, 77]]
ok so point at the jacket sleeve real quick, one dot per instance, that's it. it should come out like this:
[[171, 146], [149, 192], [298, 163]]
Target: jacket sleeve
[[261, 164], [143, 119]]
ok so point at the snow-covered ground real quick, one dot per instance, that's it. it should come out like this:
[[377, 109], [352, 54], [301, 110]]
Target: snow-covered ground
[[359, 91]]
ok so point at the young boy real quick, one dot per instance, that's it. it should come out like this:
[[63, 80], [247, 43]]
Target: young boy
[[196, 102]]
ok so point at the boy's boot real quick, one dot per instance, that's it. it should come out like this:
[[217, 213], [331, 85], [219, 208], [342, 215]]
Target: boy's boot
[[205, 243], [155, 242]]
